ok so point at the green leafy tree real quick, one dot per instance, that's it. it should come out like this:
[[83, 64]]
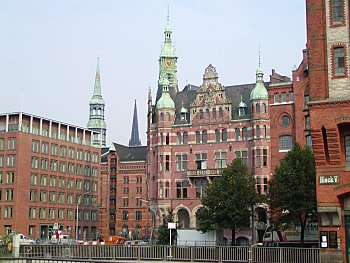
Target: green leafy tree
[[228, 200], [163, 231], [292, 190]]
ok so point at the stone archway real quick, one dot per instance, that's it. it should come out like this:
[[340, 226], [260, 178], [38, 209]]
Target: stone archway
[[183, 219]]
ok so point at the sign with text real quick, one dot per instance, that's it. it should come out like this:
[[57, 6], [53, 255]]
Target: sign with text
[[328, 179]]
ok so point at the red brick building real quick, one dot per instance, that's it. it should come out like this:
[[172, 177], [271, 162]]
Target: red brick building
[[48, 170], [328, 45]]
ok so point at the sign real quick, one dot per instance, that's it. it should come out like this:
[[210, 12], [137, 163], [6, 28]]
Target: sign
[[328, 179], [171, 225], [324, 239], [55, 226]]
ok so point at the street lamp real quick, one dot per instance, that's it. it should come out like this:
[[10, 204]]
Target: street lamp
[[148, 210], [77, 213]]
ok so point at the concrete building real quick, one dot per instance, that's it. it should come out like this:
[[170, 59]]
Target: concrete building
[[328, 44], [48, 174]]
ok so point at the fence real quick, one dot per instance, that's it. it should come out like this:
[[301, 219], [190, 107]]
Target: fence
[[175, 253]]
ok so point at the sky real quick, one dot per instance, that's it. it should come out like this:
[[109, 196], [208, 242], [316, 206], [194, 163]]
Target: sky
[[49, 50]]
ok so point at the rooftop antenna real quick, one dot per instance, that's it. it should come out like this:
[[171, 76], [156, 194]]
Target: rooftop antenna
[[168, 14], [22, 98], [259, 55]]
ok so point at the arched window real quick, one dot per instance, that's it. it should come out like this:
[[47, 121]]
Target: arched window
[[221, 114], [214, 113], [204, 137], [286, 142], [257, 108], [125, 215], [257, 131], [185, 138], [161, 138], [167, 139], [207, 114], [237, 134], [217, 136], [201, 114], [161, 116], [167, 116], [264, 130], [244, 134], [198, 137], [178, 138], [224, 135], [285, 120], [263, 108]]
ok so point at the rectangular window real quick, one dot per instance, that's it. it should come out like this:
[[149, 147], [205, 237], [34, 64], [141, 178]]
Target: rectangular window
[[61, 214], [181, 162], [53, 166], [11, 144], [10, 177], [243, 155], [125, 201], [61, 198], [42, 213], [9, 194], [167, 163], [35, 146], [11, 159], [339, 61], [69, 215], [42, 197], [258, 158], [1, 161], [33, 179], [181, 188], [337, 11], [8, 212], [62, 167], [284, 97], [32, 212], [275, 98], [201, 161], [33, 195], [264, 157], [52, 197], [201, 185], [71, 153], [291, 96], [2, 144], [43, 180], [63, 151], [44, 148], [167, 190], [44, 164], [220, 159], [54, 149]]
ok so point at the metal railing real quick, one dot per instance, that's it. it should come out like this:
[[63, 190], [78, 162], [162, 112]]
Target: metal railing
[[175, 253]]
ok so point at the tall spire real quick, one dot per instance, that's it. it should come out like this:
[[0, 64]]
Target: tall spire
[[135, 139], [97, 111], [167, 62]]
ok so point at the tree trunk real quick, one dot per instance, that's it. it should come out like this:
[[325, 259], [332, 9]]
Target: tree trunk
[[233, 230], [302, 232]]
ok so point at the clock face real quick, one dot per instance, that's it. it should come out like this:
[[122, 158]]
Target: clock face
[[168, 63]]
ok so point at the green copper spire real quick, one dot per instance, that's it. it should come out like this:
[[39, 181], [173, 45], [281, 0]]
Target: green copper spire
[[97, 111], [167, 63], [259, 92]]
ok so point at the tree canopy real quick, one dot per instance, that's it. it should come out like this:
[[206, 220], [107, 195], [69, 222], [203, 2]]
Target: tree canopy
[[163, 231], [228, 200], [292, 190]]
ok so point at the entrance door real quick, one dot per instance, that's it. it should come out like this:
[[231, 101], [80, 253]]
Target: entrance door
[[347, 233]]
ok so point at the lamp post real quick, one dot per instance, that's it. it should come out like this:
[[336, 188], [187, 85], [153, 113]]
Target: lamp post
[[148, 210], [77, 213]]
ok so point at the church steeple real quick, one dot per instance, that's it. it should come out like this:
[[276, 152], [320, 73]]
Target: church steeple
[[167, 63], [97, 111], [134, 139]]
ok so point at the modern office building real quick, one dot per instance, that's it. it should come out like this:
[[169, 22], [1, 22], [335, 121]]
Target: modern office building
[[48, 174]]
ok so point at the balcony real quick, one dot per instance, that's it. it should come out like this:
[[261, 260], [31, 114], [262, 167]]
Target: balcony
[[204, 173]]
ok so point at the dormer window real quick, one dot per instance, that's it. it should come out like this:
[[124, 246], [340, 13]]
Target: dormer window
[[220, 113], [201, 114]]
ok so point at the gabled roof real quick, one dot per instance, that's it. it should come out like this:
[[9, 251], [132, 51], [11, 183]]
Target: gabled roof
[[129, 154]]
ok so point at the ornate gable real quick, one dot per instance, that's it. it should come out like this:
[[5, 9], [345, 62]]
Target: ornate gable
[[211, 94]]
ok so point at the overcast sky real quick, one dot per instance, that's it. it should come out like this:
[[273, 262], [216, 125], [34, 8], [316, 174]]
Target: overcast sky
[[49, 48]]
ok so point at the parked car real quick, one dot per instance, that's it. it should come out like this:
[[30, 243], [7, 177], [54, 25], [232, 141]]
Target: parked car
[[130, 243], [23, 240]]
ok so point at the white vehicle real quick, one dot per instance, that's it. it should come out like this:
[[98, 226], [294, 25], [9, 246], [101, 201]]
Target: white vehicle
[[62, 239], [23, 240]]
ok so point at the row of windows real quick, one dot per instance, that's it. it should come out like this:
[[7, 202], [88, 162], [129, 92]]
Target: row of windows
[[207, 113], [63, 182], [61, 150], [125, 215], [256, 108], [61, 198], [11, 144], [10, 161], [282, 98], [63, 167], [9, 179], [53, 213]]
